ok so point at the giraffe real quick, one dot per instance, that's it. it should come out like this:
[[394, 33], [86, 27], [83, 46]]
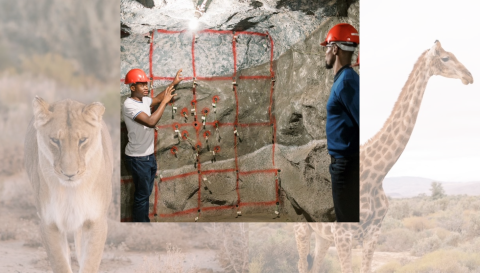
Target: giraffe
[[377, 157]]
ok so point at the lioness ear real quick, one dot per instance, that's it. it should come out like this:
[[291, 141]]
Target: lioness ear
[[93, 112], [41, 112]]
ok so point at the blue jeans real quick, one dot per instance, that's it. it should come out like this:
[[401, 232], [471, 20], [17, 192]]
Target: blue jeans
[[346, 188], [143, 169]]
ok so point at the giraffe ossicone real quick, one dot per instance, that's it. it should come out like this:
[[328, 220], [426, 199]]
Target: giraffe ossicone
[[377, 157]]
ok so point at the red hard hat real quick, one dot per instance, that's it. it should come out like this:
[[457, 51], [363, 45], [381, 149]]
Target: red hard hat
[[136, 75], [342, 33]]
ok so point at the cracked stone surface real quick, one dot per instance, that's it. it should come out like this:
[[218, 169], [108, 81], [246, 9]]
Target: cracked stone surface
[[287, 21], [301, 91]]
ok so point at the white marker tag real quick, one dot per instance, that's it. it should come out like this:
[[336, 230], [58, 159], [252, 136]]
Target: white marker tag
[[174, 108], [204, 179], [235, 132], [213, 152], [203, 117], [193, 110], [276, 212], [239, 213], [214, 104], [196, 219], [177, 131]]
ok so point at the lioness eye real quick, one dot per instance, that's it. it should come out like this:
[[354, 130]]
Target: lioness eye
[[82, 140], [445, 59], [54, 140]]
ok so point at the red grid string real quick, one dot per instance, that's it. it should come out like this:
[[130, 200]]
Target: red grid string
[[235, 124]]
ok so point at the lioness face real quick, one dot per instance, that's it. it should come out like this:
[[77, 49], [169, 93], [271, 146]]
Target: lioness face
[[68, 134]]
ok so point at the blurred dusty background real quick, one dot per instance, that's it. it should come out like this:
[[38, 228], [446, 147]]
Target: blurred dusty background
[[70, 49]]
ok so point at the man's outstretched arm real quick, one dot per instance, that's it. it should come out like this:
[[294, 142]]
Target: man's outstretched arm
[[151, 121]]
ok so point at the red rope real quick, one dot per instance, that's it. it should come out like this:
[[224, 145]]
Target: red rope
[[150, 57], [271, 55], [213, 78], [215, 31], [258, 171], [234, 50], [197, 128], [165, 179], [170, 78]]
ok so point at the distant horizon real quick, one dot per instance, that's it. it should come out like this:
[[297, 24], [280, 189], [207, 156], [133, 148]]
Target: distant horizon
[[434, 180]]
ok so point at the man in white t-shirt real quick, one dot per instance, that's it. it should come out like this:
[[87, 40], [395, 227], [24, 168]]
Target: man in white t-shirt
[[141, 124]]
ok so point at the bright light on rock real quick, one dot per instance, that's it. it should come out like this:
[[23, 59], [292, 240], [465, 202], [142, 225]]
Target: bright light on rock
[[193, 25]]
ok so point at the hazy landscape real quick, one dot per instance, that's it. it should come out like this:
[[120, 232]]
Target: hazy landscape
[[70, 49], [419, 234], [406, 186]]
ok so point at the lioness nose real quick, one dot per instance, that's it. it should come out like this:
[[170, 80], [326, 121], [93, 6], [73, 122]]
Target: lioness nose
[[69, 175]]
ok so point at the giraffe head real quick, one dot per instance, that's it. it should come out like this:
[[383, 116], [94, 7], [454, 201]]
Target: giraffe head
[[445, 64]]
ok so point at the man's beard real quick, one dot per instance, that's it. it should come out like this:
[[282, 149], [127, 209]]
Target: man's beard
[[327, 66]]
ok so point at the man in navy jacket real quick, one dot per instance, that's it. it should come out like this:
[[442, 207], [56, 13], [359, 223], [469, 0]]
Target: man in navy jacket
[[343, 134]]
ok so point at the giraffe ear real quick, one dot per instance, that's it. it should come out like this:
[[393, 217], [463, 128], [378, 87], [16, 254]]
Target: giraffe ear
[[435, 49]]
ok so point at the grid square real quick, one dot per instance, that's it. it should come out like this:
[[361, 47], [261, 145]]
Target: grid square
[[220, 191], [164, 64], [205, 92], [253, 50], [253, 101], [253, 138], [257, 187], [178, 195], [219, 60], [166, 139]]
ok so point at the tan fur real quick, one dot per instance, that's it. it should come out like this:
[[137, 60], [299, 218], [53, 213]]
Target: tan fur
[[68, 158], [377, 157]]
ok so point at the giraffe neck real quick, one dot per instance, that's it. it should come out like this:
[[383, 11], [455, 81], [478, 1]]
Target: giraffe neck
[[384, 149]]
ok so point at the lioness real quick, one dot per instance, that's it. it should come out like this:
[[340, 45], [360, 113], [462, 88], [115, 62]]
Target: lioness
[[68, 158]]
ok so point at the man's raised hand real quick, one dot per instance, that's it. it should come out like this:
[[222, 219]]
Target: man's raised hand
[[178, 77], [168, 94]]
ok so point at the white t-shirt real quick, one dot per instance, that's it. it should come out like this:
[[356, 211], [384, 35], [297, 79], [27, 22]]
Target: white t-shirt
[[140, 137]]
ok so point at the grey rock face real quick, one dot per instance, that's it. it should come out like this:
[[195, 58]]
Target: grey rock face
[[287, 21], [301, 89]]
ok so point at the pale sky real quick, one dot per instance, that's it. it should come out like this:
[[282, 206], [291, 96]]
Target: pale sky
[[445, 143]]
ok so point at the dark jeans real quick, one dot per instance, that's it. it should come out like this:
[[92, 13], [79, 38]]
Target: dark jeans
[[346, 188], [143, 169]]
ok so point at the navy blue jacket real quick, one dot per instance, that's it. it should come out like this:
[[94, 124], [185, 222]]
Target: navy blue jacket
[[343, 107]]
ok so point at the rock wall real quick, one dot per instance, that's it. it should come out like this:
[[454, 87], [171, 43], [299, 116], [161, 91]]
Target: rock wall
[[295, 145]]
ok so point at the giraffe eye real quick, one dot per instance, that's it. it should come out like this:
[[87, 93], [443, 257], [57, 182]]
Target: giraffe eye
[[445, 59]]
